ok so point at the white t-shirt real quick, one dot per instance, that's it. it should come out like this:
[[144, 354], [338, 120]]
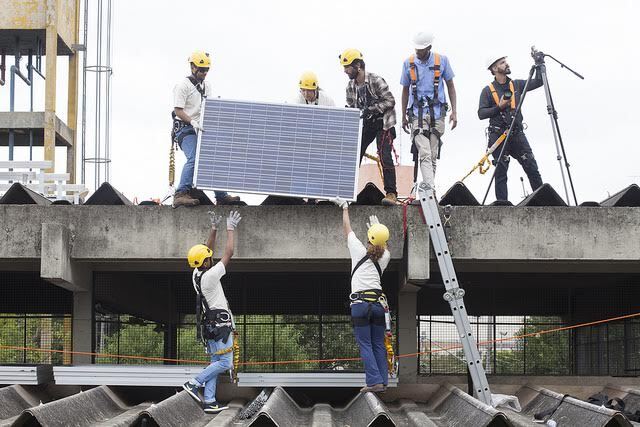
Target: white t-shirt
[[366, 276], [212, 288], [322, 99], [186, 96]]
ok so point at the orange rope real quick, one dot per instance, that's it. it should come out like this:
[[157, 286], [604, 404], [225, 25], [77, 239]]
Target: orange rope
[[344, 359]]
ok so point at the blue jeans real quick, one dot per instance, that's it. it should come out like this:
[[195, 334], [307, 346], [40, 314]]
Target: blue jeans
[[370, 338], [188, 141], [219, 364]]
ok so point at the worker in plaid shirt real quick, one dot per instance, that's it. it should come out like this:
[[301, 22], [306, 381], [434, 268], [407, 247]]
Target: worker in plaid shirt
[[370, 93]]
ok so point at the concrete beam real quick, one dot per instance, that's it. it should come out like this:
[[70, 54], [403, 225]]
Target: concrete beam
[[56, 265], [481, 238], [23, 122]]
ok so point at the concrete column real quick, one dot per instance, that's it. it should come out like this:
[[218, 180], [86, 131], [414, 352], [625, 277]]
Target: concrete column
[[51, 47], [82, 325], [408, 332]]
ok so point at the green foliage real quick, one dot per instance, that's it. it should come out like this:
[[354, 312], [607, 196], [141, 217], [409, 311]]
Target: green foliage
[[34, 331]]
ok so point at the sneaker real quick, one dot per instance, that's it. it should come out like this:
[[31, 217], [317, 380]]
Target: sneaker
[[213, 407], [183, 198], [390, 199], [192, 389], [376, 388], [228, 199]]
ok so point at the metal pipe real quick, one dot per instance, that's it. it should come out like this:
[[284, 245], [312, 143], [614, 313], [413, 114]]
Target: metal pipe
[[84, 94], [3, 68]]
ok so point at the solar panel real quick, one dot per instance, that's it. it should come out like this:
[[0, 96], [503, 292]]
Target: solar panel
[[280, 149]]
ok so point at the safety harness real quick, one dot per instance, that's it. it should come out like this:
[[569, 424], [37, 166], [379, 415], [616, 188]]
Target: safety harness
[[215, 325], [496, 99], [176, 127], [431, 103], [372, 296], [211, 324]]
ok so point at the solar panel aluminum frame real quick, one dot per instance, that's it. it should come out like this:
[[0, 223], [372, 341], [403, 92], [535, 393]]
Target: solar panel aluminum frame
[[236, 190]]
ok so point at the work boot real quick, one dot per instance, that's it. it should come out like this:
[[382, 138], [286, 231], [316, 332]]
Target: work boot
[[376, 388], [183, 198], [228, 199], [390, 199]]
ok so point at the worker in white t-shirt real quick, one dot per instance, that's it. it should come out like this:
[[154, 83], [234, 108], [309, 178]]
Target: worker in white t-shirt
[[310, 92], [215, 325], [369, 309], [188, 96]]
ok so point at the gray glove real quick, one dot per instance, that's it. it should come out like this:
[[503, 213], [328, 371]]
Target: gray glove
[[196, 125], [215, 219], [340, 202], [372, 220], [233, 220]]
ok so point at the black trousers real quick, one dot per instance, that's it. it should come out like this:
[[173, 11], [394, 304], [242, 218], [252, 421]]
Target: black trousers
[[373, 130], [518, 147]]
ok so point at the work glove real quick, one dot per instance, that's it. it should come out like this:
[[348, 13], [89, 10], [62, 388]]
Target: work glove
[[340, 202], [233, 220], [372, 220], [196, 126], [215, 219]]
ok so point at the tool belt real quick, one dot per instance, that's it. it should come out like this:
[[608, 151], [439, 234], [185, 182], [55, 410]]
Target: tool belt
[[217, 325]]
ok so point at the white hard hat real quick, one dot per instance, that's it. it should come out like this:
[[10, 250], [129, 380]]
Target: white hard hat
[[422, 40], [493, 59]]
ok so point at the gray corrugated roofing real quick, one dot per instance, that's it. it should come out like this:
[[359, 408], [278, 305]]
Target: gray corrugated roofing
[[447, 406]]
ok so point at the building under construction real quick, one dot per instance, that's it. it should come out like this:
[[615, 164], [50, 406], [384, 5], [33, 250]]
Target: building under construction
[[96, 295]]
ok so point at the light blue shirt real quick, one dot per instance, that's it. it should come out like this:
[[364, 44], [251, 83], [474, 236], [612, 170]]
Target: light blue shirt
[[425, 82]]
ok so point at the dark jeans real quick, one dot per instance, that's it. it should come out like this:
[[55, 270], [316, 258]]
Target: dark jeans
[[373, 130], [518, 148], [369, 329]]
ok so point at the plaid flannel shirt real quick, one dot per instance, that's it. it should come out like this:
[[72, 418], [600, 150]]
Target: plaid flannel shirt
[[381, 98]]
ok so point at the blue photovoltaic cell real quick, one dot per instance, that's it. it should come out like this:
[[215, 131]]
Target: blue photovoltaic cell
[[280, 149]]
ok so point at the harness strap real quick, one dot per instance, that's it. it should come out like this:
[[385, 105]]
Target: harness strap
[[496, 99], [362, 261]]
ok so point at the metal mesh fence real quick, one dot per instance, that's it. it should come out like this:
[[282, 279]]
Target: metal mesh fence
[[607, 349], [34, 314], [279, 317]]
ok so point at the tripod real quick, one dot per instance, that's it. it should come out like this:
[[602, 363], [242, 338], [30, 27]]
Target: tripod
[[539, 63]]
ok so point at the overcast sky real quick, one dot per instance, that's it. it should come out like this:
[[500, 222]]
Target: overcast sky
[[259, 49]]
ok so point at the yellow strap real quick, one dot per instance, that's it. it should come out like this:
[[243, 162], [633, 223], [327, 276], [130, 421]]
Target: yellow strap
[[225, 350], [236, 357], [391, 358]]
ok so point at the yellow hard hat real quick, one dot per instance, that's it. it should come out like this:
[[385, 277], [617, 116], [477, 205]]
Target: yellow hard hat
[[378, 234], [348, 56], [308, 80], [200, 58], [197, 254]]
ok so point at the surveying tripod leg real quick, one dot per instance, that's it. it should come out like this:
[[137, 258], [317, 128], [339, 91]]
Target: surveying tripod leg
[[454, 294]]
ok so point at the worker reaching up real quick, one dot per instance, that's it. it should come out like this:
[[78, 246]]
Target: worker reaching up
[[188, 96], [310, 91], [369, 308], [370, 93], [214, 321]]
